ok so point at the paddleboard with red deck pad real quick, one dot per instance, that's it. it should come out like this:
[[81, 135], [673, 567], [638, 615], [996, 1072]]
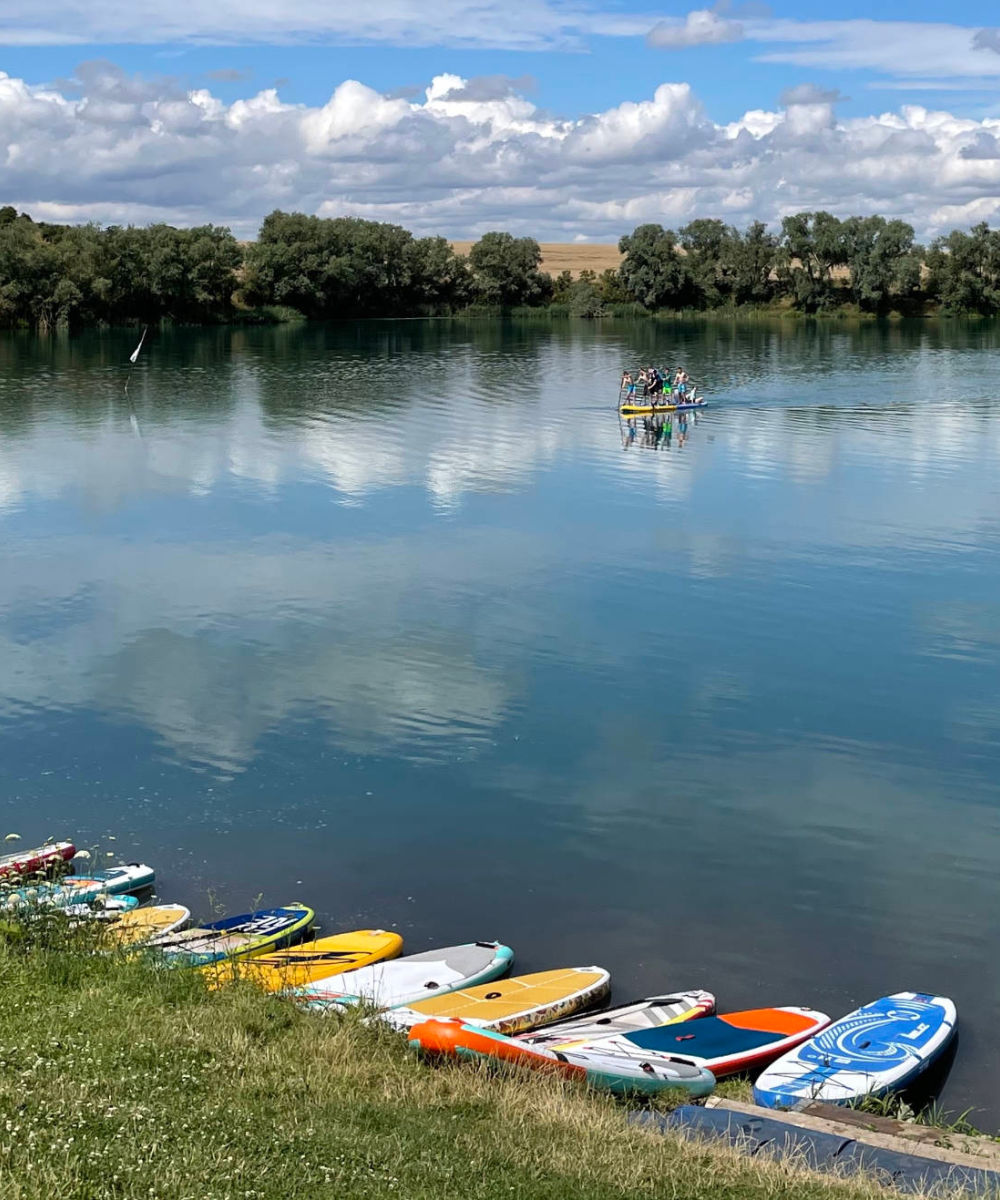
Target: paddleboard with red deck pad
[[728, 1044], [41, 861]]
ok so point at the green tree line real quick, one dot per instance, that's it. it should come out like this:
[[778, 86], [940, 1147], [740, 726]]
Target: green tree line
[[58, 275], [80, 274]]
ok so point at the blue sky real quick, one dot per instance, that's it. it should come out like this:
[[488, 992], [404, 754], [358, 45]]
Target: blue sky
[[770, 92], [597, 72]]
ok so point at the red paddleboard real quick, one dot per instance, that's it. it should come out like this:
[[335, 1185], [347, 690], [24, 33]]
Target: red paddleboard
[[40, 861]]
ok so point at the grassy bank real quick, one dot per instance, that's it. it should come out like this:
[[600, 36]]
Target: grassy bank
[[118, 1079]]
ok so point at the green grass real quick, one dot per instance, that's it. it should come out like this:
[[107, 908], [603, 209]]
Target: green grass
[[122, 1079]]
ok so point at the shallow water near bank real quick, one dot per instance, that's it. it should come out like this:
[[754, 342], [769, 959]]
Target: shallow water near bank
[[397, 619]]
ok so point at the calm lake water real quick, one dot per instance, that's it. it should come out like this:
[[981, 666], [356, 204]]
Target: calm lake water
[[395, 619]]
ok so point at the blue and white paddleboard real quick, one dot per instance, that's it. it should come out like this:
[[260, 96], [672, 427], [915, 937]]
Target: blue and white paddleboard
[[83, 889], [877, 1049]]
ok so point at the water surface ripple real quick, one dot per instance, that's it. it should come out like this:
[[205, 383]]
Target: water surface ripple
[[397, 618]]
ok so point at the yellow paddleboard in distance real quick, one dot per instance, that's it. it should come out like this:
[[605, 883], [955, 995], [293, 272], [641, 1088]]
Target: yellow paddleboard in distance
[[299, 965], [650, 410], [140, 924], [516, 1004]]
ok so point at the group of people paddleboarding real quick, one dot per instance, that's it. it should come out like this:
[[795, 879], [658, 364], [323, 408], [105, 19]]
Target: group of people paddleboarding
[[656, 386]]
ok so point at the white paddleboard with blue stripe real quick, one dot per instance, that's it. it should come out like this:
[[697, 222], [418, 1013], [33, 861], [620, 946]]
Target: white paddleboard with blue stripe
[[873, 1051]]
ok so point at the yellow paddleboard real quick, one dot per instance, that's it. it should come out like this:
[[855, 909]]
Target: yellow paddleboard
[[516, 1004], [309, 961], [649, 410], [140, 924]]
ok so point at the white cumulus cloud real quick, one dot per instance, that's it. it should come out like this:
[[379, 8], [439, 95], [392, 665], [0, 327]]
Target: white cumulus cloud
[[470, 155]]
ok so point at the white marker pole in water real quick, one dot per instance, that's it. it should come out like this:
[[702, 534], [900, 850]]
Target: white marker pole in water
[[135, 353], [134, 356]]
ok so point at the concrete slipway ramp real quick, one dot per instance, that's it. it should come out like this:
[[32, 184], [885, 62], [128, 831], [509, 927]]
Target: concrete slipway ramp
[[909, 1157]]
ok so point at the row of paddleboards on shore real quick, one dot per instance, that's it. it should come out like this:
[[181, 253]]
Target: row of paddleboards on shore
[[461, 1001]]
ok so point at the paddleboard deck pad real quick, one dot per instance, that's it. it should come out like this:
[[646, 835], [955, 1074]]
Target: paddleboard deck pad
[[511, 1005], [237, 937], [40, 861], [296, 966], [875, 1050], [101, 908], [603, 1070], [582, 1032], [413, 978], [141, 924], [725, 1045], [650, 410]]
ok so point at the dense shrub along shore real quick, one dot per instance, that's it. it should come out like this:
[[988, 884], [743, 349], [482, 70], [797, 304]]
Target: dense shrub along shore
[[301, 266]]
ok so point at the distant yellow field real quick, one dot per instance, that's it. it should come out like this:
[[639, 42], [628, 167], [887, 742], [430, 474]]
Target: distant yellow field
[[569, 256]]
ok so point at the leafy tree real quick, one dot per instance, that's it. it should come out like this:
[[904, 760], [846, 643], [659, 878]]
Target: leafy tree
[[727, 267], [813, 245], [212, 257], [74, 274], [584, 296], [22, 271], [440, 277], [709, 248], [612, 289], [348, 267], [505, 270], [562, 286], [754, 257], [880, 259], [653, 271], [964, 271]]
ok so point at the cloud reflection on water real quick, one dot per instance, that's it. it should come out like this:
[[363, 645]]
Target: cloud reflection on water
[[213, 624]]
